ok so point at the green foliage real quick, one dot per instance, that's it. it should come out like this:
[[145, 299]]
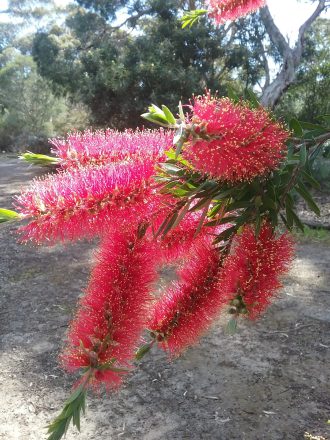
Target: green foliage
[[71, 411], [7, 215], [221, 202], [39, 159], [142, 351], [163, 116], [313, 234], [191, 17], [308, 97], [117, 73], [30, 112]]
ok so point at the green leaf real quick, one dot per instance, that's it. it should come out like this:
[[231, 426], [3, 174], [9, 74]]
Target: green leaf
[[170, 223], [310, 179], [232, 325], [303, 155], [297, 221], [154, 119], [305, 194], [7, 214], [216, 208], [225, 235], [39, 159], [182, 213], [252, 98], [169, 115], [273, 217], [203, 202], [296, 127], [311, 135], [71, 412], [232, 94], [289, 212], [181, 114], [142, 351], [191, 17], [311, 126], [179, 140], [202, 218]]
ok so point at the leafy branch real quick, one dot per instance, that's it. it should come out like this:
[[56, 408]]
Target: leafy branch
[[191, 17], [222, 203], [75, 404]]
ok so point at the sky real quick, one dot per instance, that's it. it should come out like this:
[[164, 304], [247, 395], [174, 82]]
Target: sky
[[287, 14]]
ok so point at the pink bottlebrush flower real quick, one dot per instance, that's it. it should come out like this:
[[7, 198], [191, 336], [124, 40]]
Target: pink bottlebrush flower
[[114, 311], [103, 147], [252, 272], [242, 142], [223, 10], [80, 203], [187, 309]]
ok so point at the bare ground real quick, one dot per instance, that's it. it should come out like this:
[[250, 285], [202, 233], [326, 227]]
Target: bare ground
[[268, 381]]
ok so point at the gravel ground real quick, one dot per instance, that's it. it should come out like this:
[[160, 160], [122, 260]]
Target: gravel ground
[[268, 381]]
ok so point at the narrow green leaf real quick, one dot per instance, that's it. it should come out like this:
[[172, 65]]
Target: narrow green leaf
[[202, 218], [71, 412], [296, 127], [169, 115], [297, 221], [289, 215], [191, 17], [216, 208], [39, 159], [303, 155], [252, 98], [232, 325], [142, 351], [311, 126], [203, 201], [232, 94], [310, 179], [273, 217], [225, 235], [305, 194], [182, 214], [155, 119], [8, 214], [170, 223], [181, 114]]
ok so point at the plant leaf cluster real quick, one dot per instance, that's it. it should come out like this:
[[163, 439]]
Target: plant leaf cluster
[[270, 197], [191, 17], [73, 407]]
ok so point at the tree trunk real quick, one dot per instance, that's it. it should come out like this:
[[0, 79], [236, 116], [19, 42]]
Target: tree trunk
[[291, 56]]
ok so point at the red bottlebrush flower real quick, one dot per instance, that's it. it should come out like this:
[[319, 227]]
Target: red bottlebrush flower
[[102, 147], [189, 306], [115, 309], [223, 10], [252, 272], [80, 203], [180, 240], [243, 143]]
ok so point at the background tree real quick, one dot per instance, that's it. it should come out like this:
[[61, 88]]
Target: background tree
[[308, 96], [116, 57], [30, 112]]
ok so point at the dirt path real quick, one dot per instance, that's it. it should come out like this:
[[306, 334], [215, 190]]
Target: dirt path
[[269, 381]]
